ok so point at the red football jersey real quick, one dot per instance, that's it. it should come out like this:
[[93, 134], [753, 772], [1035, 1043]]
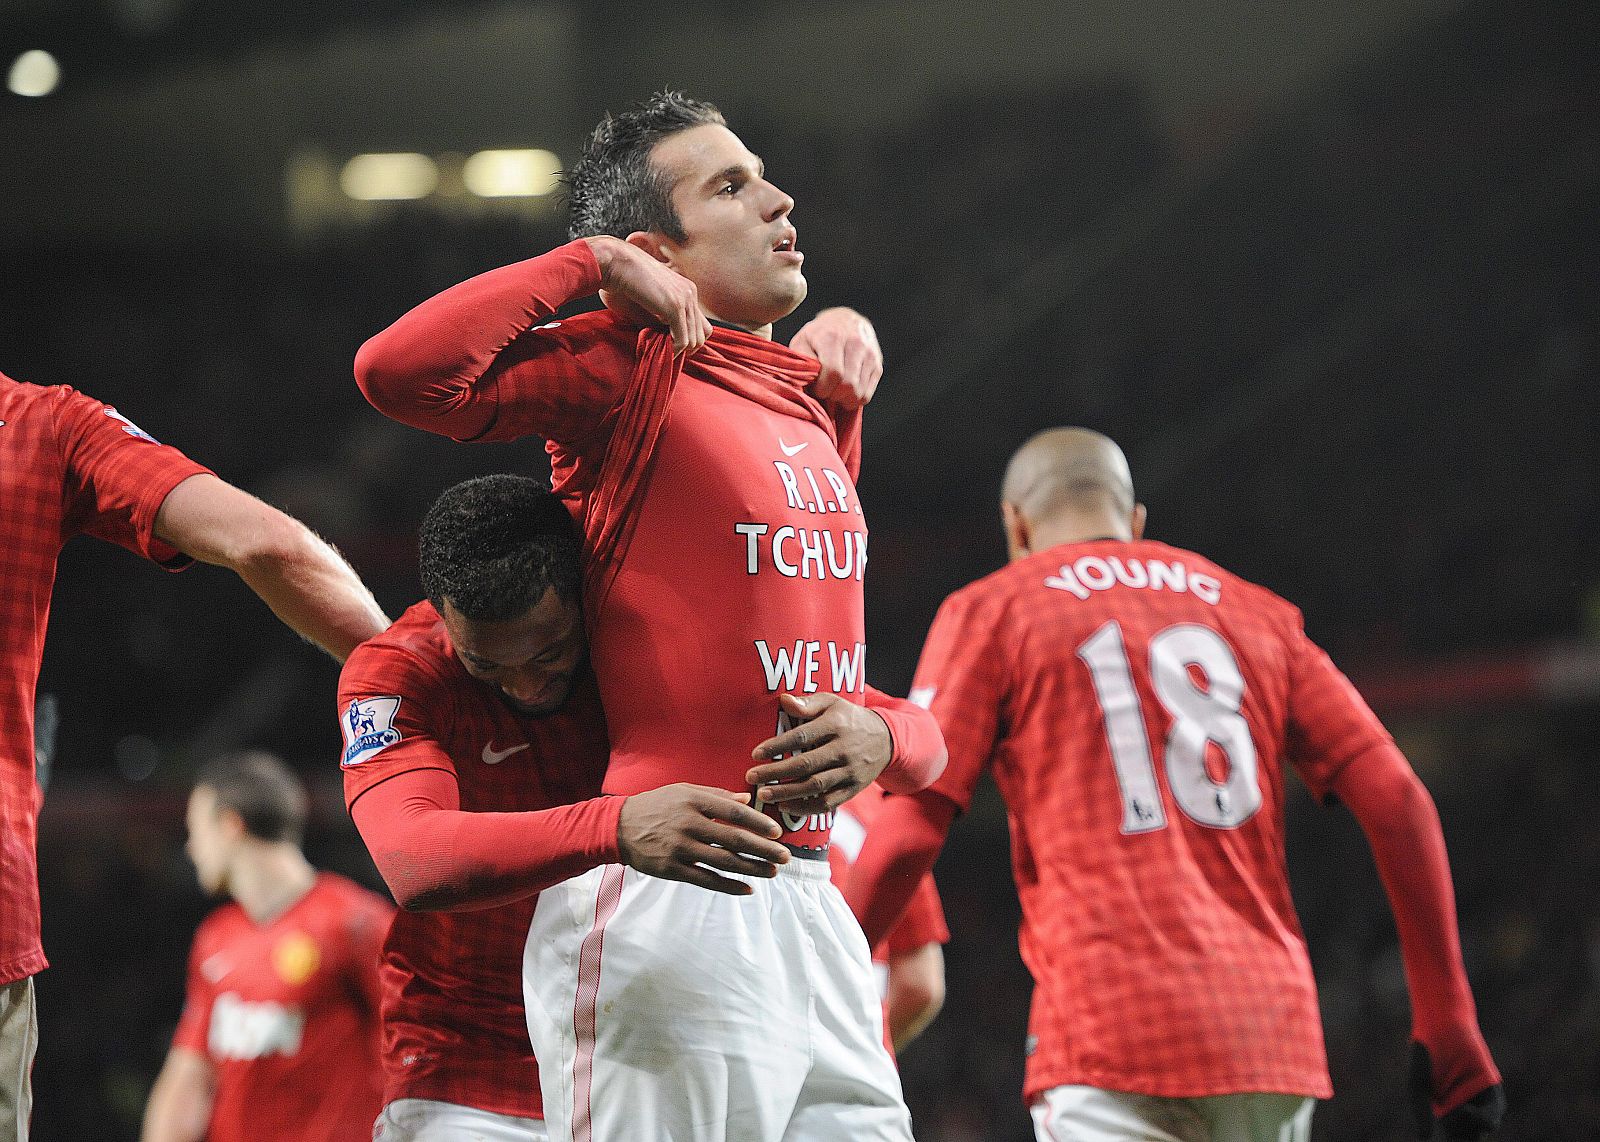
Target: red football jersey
[[1136, 704], [69, 465], [739, 575], [923, 920], [287, 1012], [453, 1023]]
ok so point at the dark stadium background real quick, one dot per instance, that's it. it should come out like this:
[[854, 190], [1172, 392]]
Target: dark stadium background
[[1327, 271]]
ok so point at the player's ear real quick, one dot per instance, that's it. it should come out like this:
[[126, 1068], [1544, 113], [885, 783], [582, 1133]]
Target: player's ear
[[1018, 534], [650, 244], [230, 822], [1137, 520]]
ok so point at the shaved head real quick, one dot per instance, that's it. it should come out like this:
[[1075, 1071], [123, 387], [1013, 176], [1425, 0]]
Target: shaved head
[[1068, 469], [1067, 485]]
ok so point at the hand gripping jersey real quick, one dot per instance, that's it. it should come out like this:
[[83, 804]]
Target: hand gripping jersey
[[453, 1025], [287, 1012], [69, 465], [1138, 706]]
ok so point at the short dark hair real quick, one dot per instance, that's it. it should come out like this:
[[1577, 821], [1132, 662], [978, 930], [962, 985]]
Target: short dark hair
[[494, 545], [266, 794], [614, 188]]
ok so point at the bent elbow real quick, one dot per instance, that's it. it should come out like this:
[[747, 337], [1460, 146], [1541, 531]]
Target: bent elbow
[[375, 377]]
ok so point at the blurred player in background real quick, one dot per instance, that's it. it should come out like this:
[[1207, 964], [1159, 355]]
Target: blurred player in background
[[1137, 705], [711, 471], [475, 746], [909, 961], [71, 465], [279, 1033]]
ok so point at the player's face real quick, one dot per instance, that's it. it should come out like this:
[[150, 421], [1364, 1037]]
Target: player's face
[[739, 247], [209, 841], [530, 659]]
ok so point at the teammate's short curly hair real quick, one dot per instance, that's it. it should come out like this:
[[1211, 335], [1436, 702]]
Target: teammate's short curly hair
[[614, 188], [494, 545], [269, 798]]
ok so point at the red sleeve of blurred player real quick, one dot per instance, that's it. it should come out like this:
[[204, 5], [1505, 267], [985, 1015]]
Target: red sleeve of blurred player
[[366, 925], [1340, 747], [921, 923], [400, 784], [194, 1025], [958, 679], [117, 476], [919, 754], [476, 363]]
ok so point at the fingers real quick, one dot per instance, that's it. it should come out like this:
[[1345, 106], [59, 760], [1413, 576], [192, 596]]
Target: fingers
[[742, 819], [820, 774], [805, 705]]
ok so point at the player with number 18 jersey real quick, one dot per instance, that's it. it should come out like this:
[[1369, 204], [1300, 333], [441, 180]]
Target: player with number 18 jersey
[[1137, 705]]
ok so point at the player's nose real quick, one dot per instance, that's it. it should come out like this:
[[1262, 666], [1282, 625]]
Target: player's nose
[[525, 685], [780, 203]]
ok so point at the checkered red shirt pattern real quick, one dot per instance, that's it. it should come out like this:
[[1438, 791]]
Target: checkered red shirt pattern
[[453, 1024], [287, 1013], [68, 465], [923, 920], [1157, 920]]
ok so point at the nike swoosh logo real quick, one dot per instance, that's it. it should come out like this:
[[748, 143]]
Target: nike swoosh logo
[[790, 450], [492, 756]]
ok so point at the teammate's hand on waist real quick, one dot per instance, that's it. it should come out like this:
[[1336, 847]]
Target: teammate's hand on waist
[[847, 346], [675, 831], [836, 751], [643, 290]]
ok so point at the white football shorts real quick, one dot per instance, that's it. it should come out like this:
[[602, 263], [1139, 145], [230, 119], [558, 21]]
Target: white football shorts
[[1089, 1114], [428, 1120], [664, 1012]]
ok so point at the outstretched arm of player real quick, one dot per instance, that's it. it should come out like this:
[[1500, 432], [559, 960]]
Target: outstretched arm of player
[[838, 748], [1457, 1077], [179, 1109], [916, 992], [899, 851], [435, 857], [305, 581]]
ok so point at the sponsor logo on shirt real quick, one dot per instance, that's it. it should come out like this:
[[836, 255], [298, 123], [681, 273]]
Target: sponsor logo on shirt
[[244, 1030], [296, 958], [368, 726], [791, 449], [922, 696], [492, 756]]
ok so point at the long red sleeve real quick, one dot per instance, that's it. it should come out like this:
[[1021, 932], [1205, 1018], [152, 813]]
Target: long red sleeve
[[434, 857], [919, 755], [1402, 826], [429, 368], [899, 851]]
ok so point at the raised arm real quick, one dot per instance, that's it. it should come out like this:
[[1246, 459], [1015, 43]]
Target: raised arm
[[305, 581], [456, 362]]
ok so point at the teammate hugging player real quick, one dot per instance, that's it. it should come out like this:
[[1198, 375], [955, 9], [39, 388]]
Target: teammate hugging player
[[724, 550], [1136, 704]]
